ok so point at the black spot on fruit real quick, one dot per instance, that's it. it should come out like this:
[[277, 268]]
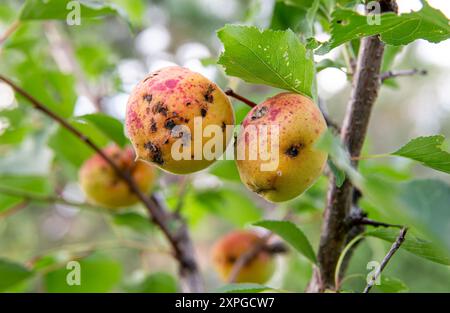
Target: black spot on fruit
[[169, 124], [231, 259], [203, 112], [188, 104], [153, 127], [160, 108], [148, 98], [155, 152], [208, 94], [293, 150], [258, 113]]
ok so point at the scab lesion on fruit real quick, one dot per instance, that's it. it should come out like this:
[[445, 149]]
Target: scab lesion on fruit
[[148, 98], [294, 150], [153, 126], [208, 94], [154, 152], [258, 113], [160, 108], [169, 124]]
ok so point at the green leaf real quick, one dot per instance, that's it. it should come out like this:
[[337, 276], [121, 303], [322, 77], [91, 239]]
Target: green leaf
[[156, 283], [225, 169], [428, 23], [428, 151], [109, 126], [275, 58], [428, 202], [391, 285], [413, 244], [292, 234], [72, 149], [340, 157], [98, 274], [303, 4], [12, 274], [54, 89], [339, 174], [59, 9], [243, 288], [288, 17], [9, 202], [24, 183], [230, 205], [133, 220], [11, 184], [390, 52], [326, 63]]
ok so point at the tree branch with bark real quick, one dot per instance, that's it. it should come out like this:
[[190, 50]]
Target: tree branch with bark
[[336, 231], [179, 237]]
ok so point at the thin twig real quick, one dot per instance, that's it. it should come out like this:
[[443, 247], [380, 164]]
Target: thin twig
[[184, 186], [391, 74], [248, 256], [259, 246], [29, 197], [180, 240], [365, 86], [21, 205], [231, 93], [9, 31], [395, 246], [369, 222]]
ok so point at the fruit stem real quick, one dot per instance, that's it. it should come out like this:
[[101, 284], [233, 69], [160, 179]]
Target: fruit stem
[[231, 93]]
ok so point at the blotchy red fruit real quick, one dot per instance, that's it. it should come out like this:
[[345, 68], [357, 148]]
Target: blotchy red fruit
[[300, 124], [103, 187], [161, 112], [231, 247]]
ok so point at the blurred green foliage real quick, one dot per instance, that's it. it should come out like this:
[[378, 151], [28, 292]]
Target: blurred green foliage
[[123, 251]]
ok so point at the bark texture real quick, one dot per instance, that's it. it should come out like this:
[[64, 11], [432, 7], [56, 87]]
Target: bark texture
[[336, 228]]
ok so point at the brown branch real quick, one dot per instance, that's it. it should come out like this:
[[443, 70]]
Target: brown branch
[[335, 229], [180, 241], [391, 74], [395, 246], [21, 205], [231, 93]]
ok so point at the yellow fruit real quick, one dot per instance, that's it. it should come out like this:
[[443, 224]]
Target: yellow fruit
[[297, 163], [103, 187], [231, 247], [161, 112]]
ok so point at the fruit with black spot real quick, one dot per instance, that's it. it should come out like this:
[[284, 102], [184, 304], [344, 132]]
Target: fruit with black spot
[[101, 184], [294, 163], [231, 247], [161, 114]]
